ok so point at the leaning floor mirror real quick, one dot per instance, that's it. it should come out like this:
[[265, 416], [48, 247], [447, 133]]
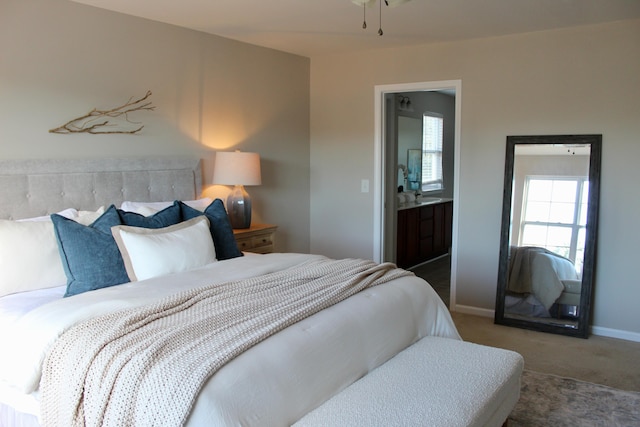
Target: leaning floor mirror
[[548, 235]]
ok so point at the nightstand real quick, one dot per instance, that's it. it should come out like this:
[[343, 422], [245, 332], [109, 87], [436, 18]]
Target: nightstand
[[259, 238]]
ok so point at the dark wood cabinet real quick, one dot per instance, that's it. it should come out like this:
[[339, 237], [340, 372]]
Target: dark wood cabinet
[[423, 233]]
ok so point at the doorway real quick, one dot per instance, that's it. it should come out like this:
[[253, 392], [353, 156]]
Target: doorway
[[386, 161]]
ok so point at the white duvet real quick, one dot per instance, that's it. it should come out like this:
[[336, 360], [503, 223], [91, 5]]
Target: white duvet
[[274, 383]]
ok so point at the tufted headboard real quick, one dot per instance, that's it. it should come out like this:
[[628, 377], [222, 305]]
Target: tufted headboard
[[31, 188]]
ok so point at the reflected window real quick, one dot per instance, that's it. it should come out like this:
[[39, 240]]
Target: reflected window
[[432, 136], [555, 216]]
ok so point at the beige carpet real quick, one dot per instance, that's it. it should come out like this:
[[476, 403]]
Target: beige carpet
[[600, 360]]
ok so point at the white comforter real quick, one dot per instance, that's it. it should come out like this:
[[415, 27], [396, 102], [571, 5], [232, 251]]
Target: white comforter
[[277, 381]]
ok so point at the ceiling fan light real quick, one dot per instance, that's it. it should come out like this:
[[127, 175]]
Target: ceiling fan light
[[369, 3]]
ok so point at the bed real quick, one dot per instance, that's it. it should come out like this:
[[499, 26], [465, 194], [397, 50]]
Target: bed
[[538, 279], [261, 375]]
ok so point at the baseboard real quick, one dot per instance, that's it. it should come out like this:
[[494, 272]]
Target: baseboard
[[595, 330], [467, 309], [615, 333]]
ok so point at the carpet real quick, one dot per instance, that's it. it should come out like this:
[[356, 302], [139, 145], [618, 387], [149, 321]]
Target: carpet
[[549, 400]]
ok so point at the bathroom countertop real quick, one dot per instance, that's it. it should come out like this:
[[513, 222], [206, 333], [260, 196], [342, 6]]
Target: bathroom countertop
[[424, 201]]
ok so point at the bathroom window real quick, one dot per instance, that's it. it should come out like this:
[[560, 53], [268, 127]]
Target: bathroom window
[[432, 134], [555, 215]]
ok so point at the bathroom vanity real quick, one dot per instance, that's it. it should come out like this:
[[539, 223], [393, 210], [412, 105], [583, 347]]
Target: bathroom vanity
[[424, 230]]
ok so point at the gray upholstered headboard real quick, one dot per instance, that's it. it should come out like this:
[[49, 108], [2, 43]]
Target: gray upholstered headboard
[[31, 188]]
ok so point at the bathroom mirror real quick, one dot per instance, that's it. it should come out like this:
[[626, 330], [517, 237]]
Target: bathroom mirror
[[409, 152], [548, 235]]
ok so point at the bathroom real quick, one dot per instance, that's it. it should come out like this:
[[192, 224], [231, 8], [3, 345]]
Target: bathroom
[[424, 199]]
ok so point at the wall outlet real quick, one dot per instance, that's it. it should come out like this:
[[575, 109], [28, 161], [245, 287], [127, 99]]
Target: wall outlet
[[364, 186]]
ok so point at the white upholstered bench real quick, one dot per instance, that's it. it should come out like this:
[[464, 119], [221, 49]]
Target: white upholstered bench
[[435, 382]]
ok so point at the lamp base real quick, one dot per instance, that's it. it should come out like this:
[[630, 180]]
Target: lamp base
[[239, 207]]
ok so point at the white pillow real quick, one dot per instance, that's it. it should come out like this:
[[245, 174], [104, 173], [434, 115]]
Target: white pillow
[[83, 217], [88, 217], [67, 213], [29, 255], [149, 208], [151, 252]]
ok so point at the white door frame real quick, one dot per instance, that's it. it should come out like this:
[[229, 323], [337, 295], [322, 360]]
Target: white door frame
[[380, 166]]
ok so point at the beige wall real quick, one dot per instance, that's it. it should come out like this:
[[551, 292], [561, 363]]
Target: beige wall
[[580, 80], [60, 59]]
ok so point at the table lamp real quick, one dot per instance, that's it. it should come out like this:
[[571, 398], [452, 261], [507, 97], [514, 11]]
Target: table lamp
[[237, 168]]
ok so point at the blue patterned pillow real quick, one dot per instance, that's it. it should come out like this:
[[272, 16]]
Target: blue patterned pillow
[[90, 256], [221, 230]]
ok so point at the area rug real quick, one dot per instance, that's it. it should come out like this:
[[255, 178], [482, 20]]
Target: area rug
[[549, 400]]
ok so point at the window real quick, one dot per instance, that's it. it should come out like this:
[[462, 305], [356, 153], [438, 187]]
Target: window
[[555, 216], [432, 134]]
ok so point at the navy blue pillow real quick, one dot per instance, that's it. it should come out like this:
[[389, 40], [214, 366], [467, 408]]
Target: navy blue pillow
[[168, 216], [221, 231], [90, 256]]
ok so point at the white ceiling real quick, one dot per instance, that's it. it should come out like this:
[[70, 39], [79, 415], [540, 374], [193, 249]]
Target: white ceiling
[[316, 27]]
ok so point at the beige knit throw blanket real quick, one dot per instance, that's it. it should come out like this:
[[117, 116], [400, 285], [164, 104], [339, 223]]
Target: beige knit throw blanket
[[145, 366]]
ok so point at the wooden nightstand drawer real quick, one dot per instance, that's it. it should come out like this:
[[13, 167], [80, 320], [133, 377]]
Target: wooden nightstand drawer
[[259, 238], [256, 244]]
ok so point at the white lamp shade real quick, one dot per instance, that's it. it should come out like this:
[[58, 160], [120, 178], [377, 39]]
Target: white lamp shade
[[237, 168]]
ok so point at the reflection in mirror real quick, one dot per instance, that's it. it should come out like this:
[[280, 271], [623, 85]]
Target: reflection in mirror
[[547, 251], [414, 169], [409, 154], [424, 146]]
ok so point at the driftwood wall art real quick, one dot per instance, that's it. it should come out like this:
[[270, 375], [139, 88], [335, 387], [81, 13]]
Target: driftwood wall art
[[101, 121]]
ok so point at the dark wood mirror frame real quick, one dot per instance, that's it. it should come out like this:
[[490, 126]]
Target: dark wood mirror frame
[[588, 272]]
